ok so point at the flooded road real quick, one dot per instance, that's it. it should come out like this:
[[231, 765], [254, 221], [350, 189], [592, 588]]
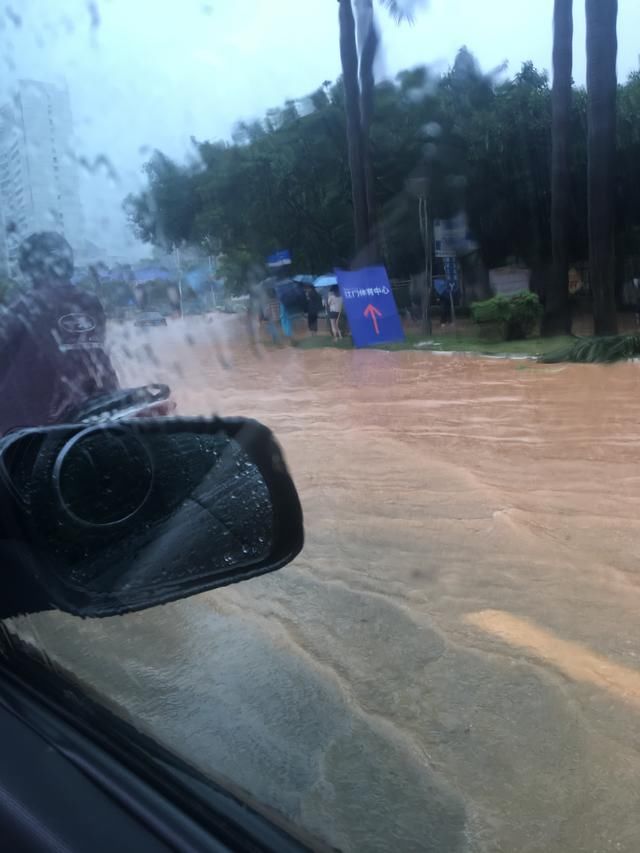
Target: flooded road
[[453, 662]]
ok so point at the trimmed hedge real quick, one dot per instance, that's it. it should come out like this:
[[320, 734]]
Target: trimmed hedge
[[508, 318]]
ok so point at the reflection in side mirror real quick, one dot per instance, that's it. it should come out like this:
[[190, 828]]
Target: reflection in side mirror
[[106, 519]]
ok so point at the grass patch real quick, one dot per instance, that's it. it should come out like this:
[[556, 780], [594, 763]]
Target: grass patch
[[453, 342], [322, 341]]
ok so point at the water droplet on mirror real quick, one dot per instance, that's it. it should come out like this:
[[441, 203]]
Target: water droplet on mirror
[[14, 17]]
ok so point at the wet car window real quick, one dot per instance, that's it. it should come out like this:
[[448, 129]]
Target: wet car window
[[405, 236]]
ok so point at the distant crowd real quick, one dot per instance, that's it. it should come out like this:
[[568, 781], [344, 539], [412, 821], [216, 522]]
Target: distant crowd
[[274, 304]]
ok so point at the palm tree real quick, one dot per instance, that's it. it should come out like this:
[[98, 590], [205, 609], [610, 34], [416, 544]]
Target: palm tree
[[359, 84], [367, 91], [557, 318], [602, 50], [350, 62]]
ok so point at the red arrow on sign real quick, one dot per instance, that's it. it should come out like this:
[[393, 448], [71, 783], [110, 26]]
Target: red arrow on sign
[[372, 312]]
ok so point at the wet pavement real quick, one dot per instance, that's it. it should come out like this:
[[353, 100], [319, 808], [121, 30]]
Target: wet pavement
[[453, 663]]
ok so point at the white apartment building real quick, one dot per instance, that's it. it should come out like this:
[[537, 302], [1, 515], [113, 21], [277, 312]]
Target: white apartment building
[[38, 173]]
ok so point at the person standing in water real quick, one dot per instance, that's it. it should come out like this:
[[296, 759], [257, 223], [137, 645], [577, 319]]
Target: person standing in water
[[273, 315], [285, 320], [335, 310], [314, 306]]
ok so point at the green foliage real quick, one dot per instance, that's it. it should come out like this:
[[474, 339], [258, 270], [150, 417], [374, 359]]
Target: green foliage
[[240, 270], [495, 310], [600, 349], [511, 319], [525, 315], [164, 213], [483, 142]]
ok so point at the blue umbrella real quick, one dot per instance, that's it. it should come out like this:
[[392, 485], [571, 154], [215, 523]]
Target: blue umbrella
[[290, 294], [325, 280], [304, 279]]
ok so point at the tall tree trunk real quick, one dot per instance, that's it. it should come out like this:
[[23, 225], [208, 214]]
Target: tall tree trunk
[[557, 318], [349, 59], [602, 50], [367, 92]]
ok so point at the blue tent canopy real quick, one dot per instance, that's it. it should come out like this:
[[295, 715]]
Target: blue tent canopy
[[146, 274]]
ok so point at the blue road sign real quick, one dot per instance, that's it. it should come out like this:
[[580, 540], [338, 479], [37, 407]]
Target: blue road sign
[[370, 306], [451, 272], [279, 259]]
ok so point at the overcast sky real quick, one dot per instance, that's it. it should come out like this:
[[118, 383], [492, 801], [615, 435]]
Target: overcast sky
[[146, 74]]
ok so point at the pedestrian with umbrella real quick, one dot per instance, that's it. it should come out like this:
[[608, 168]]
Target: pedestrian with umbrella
[[335, 311], [314, 307]]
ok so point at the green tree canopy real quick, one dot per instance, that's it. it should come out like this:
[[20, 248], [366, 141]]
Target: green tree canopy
[[481, 141]]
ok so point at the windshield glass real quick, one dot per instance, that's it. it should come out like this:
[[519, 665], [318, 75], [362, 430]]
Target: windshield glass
[[406, 238]]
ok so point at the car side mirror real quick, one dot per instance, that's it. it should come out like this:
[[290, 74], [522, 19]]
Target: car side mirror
[[102, 520]]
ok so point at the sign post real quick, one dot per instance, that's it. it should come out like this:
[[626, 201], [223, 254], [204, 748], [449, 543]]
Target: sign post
[[370, 306], [281, 258], [451, 273], [452, 237]]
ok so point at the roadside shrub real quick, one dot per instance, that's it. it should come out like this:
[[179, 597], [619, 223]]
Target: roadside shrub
[[602, 350], [508, 319], [494, 310], [526, 312]]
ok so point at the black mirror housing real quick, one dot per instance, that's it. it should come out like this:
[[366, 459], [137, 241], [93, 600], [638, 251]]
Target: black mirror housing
[[105, 519]]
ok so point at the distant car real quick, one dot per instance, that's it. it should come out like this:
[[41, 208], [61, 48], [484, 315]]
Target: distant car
[[150, 318]]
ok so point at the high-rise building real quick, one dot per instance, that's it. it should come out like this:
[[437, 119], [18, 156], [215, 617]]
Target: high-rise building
[[38, 173]]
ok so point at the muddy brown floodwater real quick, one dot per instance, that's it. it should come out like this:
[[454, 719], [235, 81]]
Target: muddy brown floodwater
[[453, 663]]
